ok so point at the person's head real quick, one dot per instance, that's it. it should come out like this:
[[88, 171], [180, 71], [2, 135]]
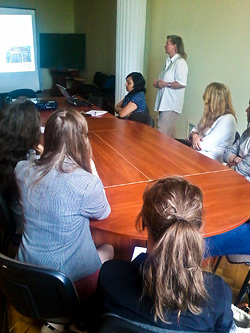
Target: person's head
[[248, 114], [135, 83], [20, 126], [66, 136], [174, 44], [172, 274], [19, 132], [217, 102]]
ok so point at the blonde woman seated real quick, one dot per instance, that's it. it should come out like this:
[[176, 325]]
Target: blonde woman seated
[[166, 287], [134, 101], [217, 127]]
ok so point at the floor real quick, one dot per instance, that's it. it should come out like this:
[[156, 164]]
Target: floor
[[234, 275]]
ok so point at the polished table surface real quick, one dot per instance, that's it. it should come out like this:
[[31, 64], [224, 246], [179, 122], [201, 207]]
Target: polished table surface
[[128, 155]]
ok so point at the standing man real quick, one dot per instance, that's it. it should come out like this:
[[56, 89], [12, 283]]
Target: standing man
[[171, 85]]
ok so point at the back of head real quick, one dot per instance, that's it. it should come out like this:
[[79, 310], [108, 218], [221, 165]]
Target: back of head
[[139, 82], [177, 40], [20, 124], [172, 274], [65, 136], [19, 132], [217, 102]]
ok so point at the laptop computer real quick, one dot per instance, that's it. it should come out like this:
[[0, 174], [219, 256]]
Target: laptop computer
[[71, 99]]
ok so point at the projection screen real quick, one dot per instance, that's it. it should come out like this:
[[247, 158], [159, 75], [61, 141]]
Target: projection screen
[[18, 50]]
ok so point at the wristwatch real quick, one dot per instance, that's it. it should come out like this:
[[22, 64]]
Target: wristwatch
[[169, 85]]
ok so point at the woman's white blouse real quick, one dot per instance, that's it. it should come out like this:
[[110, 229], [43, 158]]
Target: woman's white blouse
[[218, 137]]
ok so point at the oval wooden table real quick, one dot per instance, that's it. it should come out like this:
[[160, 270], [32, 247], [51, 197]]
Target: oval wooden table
[[128, 155]]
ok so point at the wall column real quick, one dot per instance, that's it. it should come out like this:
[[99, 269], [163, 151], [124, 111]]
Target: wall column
[[130, 41]]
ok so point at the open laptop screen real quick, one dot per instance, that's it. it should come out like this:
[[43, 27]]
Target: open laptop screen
[[64, 92]]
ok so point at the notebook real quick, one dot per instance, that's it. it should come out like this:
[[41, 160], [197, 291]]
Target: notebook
[[71, 99]]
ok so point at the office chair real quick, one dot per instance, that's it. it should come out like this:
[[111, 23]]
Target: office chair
[[22, 93], [40, 293], [142, 117], [238, 259], [245, 288], [112, 323], [4, 324], [96, 100], [7, 227], [237, 136]]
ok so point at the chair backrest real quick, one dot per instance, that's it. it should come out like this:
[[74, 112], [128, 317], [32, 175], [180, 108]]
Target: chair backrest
[[7, 226], [6, 220], [237, 136], [39, 293], [99, 79], [142, 117], [239, 258], [22, 92], [96, 100]]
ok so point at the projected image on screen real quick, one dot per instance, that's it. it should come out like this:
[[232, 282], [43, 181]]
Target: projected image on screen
[[18, 54], [16, 44]]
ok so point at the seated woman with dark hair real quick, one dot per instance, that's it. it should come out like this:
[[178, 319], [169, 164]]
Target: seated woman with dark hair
[[19, 138], [134, 101], [166, 287]]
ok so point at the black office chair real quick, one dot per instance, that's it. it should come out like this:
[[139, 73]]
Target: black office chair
[[22, 93], [237, 136], [4, 324], [7, 227], [96, 100], [245, 288], [238, 259], [111, 323], [142, 117], [40, 293]]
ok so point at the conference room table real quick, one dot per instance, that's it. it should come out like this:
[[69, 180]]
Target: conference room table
[[128, 155]]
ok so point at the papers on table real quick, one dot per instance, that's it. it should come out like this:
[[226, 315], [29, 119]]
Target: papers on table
[[96, 113]]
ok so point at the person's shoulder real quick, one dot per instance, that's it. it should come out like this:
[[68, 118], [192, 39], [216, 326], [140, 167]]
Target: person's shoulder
[[227, 118], [139, 95], [138, 98], [121, 267], [216, 286], [181, 61], [83, 179], [21, 165], [115, 265], [126, 97], [245, 135]]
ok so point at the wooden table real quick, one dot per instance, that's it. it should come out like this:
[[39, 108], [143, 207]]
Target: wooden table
[[128, 155]]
